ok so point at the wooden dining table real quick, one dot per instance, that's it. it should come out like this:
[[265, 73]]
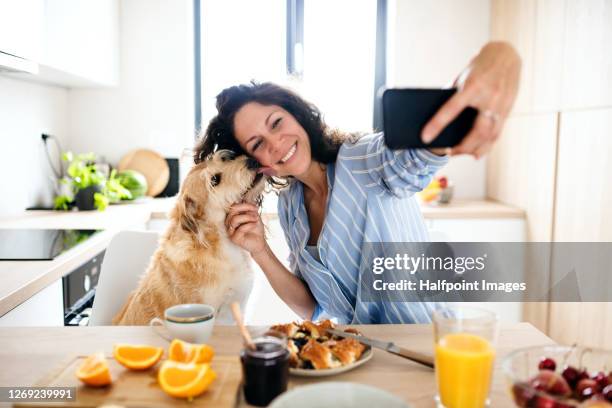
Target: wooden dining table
[[29, 355]]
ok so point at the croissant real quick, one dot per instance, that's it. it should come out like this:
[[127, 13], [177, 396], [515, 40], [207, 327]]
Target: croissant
[[289, 329], [347, 350], [318, 355], [311, 346]]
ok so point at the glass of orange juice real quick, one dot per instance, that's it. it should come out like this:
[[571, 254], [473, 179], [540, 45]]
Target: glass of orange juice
[[464, 354]]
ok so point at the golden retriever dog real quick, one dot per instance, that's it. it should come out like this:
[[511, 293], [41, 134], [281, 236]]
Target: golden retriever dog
[[196, 262]]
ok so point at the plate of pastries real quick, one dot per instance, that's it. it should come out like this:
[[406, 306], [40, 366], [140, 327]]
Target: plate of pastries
[[316, 353]]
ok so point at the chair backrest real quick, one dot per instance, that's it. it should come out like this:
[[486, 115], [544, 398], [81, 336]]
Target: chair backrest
[[438, 236], [125, 260]]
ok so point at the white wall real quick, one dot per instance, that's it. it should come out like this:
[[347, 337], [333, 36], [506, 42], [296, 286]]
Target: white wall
[[430, 42], [153, 105], [27, 110]]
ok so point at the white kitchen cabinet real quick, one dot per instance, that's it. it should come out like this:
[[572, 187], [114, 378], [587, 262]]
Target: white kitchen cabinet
[[483, 230], [75, 43], [478, 229], [21, 28], [81, 42], [46, 308]]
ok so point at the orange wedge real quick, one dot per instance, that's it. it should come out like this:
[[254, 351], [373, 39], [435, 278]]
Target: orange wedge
[[94, 371], [185, 380], [137, 357], [184, 352]]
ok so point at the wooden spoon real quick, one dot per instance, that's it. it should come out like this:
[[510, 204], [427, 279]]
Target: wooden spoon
[[246, 337]]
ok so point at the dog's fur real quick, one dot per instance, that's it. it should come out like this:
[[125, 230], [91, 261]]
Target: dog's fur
[[196, 262]]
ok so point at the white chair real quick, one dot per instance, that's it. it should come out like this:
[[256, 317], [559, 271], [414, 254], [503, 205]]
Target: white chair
[[125, 260], [438, 236]]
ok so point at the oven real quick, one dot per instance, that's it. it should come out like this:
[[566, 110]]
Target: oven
[[79, 288]]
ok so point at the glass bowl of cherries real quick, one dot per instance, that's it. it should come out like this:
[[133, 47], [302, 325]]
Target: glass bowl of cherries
[[560, 377]]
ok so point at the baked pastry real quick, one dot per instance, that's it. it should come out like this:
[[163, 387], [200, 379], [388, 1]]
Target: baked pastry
[[288, 330], [294, 359], [318, 355], [347, 350], [312, 347]]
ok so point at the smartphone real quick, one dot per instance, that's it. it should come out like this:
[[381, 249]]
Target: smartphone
[[406, 111]]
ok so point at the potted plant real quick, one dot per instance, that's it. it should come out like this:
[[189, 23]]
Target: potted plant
[[88, 187]]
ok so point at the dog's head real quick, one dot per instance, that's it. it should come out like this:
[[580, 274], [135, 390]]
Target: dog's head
[[213, 185]]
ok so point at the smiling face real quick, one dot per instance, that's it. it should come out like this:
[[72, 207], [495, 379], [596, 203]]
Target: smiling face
[[274, 138]]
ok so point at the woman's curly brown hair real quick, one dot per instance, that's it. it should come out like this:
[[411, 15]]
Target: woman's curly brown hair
[[219, 134]]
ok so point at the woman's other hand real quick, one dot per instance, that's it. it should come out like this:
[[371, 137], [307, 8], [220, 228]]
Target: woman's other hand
[[245, 228], [489, 84]]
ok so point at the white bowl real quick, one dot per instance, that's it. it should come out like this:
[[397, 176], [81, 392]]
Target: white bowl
[[337, 395]]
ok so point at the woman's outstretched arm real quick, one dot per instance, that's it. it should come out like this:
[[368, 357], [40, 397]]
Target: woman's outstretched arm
[[490, 84]]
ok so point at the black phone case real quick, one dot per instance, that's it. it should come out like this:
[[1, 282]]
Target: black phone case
[[407, 111]]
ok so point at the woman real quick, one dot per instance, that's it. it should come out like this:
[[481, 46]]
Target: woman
[[346, 191]]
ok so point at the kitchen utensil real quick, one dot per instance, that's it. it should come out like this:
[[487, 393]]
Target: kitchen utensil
[[306, 372], [138, 388], [388, 346], [153, 166], [246, 337]]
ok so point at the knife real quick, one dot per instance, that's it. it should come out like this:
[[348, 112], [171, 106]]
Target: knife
[[390, 347]]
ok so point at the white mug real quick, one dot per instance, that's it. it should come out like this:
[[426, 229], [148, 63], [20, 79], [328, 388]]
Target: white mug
[[191, 322]]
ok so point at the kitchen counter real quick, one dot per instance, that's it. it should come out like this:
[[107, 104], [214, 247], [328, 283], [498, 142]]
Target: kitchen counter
[[28, 354], [118, 216], [20, 280], [465, 208]]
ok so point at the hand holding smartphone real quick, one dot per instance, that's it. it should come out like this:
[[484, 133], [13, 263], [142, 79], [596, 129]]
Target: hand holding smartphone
[[407, 111]]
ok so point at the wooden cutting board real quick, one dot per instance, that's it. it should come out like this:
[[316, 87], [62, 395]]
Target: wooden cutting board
[[140, 388], [153, 166]]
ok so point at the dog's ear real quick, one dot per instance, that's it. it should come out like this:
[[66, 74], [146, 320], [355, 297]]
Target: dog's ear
[[189, 212], [188, 215]]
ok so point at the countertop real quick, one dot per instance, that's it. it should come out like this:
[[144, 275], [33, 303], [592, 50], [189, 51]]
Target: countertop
[[118, 216], [20, 280], [28, 354]]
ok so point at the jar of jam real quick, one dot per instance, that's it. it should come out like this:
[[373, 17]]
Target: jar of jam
[[265, 370]]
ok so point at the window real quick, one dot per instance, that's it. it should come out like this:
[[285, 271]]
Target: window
[[242, 40]]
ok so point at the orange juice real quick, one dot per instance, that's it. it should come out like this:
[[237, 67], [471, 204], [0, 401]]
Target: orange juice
[[464, 364]]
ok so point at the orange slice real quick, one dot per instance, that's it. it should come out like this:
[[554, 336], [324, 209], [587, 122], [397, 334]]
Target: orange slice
[[185, 380], [137, 357], [184, 352], [94, 371]]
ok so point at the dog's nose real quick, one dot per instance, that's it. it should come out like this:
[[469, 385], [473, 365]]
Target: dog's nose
[[252, 164]]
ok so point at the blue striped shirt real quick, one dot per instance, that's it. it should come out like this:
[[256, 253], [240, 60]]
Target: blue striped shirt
[[370, 199]]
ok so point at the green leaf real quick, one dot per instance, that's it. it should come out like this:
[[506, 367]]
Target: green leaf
[[100, 201], [61, 202]]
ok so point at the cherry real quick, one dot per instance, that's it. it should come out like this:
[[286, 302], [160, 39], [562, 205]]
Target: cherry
[[582, 375], [607, 393], [543, 402], [523, 394], [571, 376], [602, 379], [547, 363], [551, 383], [586, 388]]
